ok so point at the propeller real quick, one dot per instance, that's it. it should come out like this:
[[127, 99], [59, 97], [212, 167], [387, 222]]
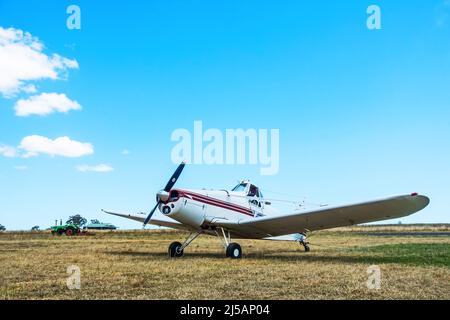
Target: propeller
[[167, 189]]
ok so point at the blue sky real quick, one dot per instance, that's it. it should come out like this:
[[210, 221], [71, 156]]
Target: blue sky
[[362, 113]]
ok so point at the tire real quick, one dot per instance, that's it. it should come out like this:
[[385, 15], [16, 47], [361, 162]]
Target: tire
[[234, 251], [69, 232], [174, 250], [307, 248]]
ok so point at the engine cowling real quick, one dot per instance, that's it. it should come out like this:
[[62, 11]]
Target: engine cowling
[[185, 212]]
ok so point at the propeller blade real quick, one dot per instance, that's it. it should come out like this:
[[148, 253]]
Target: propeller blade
[[174, 177], [151, 214], [168, 187]]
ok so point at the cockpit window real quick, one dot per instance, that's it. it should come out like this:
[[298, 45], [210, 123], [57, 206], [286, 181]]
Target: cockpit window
[[253, 192], [240, 187]]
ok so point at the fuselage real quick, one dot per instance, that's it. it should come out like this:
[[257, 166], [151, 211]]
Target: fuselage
[[198, 208], [202, 209]]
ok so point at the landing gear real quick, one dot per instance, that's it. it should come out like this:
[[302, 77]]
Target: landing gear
[[232, 250], [176, 249], [306, 246], [304, 243]]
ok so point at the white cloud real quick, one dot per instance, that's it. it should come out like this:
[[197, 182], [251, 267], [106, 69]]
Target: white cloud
[[62, 146], [21, 168], [8, 151], [22, 60], [98, 168], [32, 146], [45, 104], [126, 152]]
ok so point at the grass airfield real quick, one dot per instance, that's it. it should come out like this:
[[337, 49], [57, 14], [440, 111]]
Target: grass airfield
[[135, 265]]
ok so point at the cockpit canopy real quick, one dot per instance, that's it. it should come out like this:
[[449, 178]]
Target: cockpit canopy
[[242, 187], [250, 190]]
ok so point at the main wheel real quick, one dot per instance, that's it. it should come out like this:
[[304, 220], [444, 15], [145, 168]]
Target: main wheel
[[69, 232], [175, 250], [234, 251], [307, 248]]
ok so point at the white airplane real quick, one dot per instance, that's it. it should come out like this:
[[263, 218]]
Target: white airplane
[[243, 213]]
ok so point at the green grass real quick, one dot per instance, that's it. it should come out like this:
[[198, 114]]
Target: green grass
[[416, 254]]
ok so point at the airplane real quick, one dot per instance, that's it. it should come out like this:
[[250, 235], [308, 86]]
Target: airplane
[[243, 213]]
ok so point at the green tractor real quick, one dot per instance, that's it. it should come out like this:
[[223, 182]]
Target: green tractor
[[67, 229]]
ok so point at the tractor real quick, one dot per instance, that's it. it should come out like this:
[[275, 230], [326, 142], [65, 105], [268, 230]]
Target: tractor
[[67, 229]]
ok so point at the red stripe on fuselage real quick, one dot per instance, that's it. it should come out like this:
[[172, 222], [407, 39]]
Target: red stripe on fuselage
[[215, 202], [239, 207], [236, 206]]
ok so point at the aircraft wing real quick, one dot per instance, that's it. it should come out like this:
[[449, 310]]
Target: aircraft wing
[[327, 218], [157, 220]]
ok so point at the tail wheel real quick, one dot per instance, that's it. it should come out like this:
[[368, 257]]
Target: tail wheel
[[175, 250], [69, 232], [234, 251], [305, 245]]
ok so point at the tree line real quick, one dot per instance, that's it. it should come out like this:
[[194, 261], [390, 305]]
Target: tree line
[[75, 219]]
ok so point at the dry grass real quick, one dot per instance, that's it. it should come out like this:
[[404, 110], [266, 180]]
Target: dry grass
[[396, 228], [134, 265]]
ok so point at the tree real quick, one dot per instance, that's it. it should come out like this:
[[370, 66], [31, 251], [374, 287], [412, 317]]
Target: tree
[[95, 221], [77, 219], [35, 228], [2, 227]]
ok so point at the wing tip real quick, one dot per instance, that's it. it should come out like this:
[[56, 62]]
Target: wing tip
[[421, 201]]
